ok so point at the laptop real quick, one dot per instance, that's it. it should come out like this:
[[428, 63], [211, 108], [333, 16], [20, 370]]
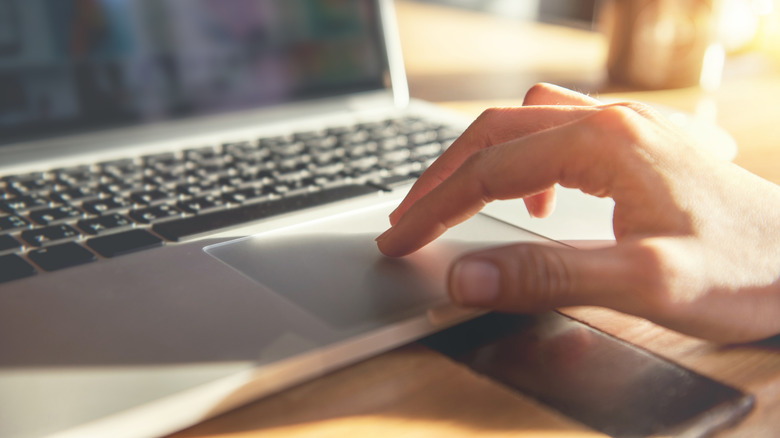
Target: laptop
[[189, 196]]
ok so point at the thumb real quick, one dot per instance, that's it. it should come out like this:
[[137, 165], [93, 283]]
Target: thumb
[[531, 277]]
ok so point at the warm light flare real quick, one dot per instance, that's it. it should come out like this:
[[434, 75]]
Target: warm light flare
[[750, 25], [769, 29]]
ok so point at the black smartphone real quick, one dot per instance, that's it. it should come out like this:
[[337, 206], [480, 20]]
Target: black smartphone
[[601, 381]]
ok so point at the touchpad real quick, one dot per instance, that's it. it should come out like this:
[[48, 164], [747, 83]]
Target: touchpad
[[333, 269]]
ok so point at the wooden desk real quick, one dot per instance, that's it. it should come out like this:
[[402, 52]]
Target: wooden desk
[[455, 57]]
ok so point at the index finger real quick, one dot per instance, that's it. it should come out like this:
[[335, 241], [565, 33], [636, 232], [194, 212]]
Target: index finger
[[496, 126], [493, 127], [520, 168]]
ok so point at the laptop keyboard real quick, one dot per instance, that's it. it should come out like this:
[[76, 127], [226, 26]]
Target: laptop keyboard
[[59, 218]]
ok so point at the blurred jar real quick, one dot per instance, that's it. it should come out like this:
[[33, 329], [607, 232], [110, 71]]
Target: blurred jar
[[655, 44]]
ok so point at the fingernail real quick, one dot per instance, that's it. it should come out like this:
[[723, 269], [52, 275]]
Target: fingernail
[[529, 208], [476, 283]]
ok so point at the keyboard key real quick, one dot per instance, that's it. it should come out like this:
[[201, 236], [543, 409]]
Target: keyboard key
[[354, 137], [12, 222], [427, 150], [195, 189], [8, 243], [13, 267], [105, 205], [363, 164], [103, 224], [199, 205], [329, 170], [72, 195], [382, 131], [424, 137], [176, 230], [36, 185], [48, 216], [22, 203], [8, 192], [247, 194], [297, 187], [413, 169], [119, 187], [167, 178], [46, 235], [148, 197], [393, 143], [370, 175], [296, 175], [324, 142], [330, 181], [123, 243], [153, 214], [361, 150], [61, 256], [231, 181], [77, 175], [393, 158]]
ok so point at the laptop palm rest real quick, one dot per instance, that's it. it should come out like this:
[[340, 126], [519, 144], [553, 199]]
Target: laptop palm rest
[[333, 270]]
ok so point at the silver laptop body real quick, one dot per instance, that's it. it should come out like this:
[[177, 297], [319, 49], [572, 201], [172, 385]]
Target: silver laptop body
[[137, 319]]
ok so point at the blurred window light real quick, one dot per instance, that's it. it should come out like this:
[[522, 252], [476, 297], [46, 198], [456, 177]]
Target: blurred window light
[[738, 25], [769, 31], [763, 7], [744, 23]]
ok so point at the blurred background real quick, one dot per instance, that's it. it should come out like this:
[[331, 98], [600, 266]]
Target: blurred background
[[744, 24], [580, 13], [631, 45]]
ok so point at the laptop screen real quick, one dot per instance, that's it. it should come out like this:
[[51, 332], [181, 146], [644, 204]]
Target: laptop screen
[[68, 66]]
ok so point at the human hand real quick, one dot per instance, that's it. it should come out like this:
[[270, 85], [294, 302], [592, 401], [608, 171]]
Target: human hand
[[698, 240]]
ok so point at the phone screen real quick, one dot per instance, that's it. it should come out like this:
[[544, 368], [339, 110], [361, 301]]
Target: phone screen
[[601, 381]]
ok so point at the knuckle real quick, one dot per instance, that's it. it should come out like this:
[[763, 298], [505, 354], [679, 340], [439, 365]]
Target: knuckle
[[620, 124], [488, 128], [491, 117], [535, 92], [616, 116]]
